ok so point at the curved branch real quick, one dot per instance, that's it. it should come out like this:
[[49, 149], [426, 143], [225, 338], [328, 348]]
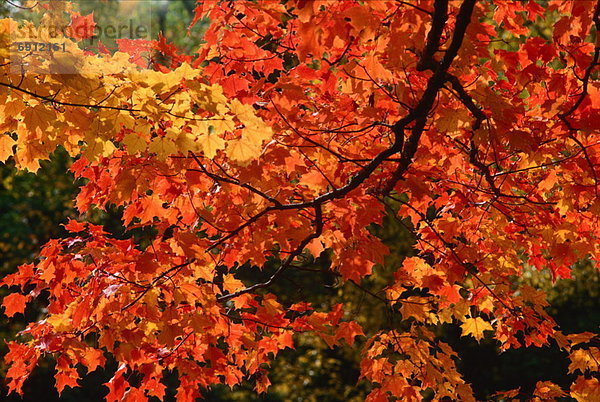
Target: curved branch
[[318, 223]]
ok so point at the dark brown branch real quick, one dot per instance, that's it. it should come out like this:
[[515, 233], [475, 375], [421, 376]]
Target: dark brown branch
[[438, 21], [52, 100], [420, 112], [310, 140], [588, 71], [236, 182], [288, 328], [584, 92], [156, 280], [404, 3], [318, 223], [466, 266], [341, 56], [418, 115]]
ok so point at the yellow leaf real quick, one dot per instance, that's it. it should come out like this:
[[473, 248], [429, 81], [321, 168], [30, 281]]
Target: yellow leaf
[[13, 108], [96, 147], [245, 113], [209, 98], [30, 149], [461, 309], [231, 284], [475, 327], [143, 127], [210, 144], [134, 143], [257, 133], [184, 71], [216, 93], [163, 147], [486, 303], [70, 62], [185, 142], [222, 124], [59, 322], [164, 82], [243, 151], [38, 116], [145, 99], [180, 107], [6, 147]]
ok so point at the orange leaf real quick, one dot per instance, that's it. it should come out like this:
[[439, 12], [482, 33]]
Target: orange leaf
[[82, 27], [14, 303], [347, 331]]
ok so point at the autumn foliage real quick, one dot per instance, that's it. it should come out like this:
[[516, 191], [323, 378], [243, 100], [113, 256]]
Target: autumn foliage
[[292, 130]]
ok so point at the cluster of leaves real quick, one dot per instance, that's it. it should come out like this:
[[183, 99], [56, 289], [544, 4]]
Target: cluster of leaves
[[290, 134]]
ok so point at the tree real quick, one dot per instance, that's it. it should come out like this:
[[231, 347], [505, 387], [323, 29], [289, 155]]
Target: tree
[[289, 137]]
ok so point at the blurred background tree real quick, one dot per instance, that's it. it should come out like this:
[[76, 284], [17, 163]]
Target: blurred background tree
[[32, 207]]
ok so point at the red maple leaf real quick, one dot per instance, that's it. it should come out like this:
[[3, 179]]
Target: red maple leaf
[[81, 27]]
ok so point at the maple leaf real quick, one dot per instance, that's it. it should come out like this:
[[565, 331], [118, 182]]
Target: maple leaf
[[243, 151], [136, 49], [348, 331], [81, 27], [74, 226], [134, 143], [210, 144], [14, 303], [584, 360], [66, 379], [513, 393], [23, 359], [117, 385], [583, 337], [6, 147], [163, 147], [93, 358], [548, 390], [416, 307], [262, 382], [475, 327], [585, 389]]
